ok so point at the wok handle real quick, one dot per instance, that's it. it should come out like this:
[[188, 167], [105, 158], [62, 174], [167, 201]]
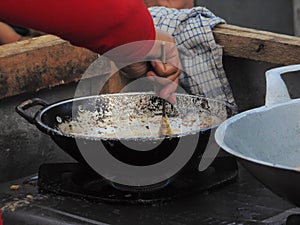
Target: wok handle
[[20, 109], [277, 92]]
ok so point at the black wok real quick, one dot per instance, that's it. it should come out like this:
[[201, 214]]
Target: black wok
[[127, 149]]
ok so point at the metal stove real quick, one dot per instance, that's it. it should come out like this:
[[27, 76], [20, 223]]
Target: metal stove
[[76, 180], [69, 193]]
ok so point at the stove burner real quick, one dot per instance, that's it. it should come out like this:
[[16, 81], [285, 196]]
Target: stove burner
[[79, 181]]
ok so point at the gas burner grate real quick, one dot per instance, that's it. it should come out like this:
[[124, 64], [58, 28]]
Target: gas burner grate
[[76, 180]]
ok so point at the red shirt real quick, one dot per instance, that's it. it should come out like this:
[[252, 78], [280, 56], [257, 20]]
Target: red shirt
[[99, 25]]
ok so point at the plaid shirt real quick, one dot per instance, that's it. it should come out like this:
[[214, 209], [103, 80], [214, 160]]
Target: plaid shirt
[[201, 57]]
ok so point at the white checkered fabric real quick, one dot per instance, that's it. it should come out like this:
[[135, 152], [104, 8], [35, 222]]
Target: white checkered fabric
[[201, 57]]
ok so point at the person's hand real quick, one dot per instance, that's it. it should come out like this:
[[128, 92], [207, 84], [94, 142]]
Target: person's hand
[[165, 75], [7, 34]]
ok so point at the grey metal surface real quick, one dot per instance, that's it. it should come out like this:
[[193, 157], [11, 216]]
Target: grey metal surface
[[247, 77], [22, 146], [271, 15], [296, 8]]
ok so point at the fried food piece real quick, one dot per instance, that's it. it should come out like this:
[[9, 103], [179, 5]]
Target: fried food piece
[[14, 187], [165, 128]]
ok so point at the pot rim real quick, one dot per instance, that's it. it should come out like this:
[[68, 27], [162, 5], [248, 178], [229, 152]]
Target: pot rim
[[44, 128], [221, 130]]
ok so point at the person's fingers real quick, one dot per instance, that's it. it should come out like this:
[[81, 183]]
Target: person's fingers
[[162, 80], [163, 39], [172, 98], [135, 70], [163, 69], [168, 92], [164, 87]]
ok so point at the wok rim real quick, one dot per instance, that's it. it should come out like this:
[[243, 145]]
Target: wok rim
[[42, 126], [221, 130]]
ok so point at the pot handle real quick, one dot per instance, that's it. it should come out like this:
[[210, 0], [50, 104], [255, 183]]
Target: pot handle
[[20, 109], [277, 92]]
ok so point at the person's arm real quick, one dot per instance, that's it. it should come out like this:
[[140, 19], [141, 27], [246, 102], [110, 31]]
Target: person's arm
[[178, 4], [99, 25]]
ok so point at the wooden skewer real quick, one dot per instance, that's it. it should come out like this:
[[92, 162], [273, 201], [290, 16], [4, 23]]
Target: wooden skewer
[[163, 59]]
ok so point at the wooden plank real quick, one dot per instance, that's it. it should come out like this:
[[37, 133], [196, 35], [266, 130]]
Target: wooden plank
[[258, 45], [48, 61], [42, 62]]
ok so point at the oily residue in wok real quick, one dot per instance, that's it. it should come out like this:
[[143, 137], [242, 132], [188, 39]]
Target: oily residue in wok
[[136, 116]]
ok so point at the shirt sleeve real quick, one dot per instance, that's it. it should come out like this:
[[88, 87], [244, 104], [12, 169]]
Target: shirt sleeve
[[99, 25]]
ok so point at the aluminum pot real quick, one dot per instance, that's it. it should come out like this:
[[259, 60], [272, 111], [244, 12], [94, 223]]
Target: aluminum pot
[[133, 143], [266, 140]]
